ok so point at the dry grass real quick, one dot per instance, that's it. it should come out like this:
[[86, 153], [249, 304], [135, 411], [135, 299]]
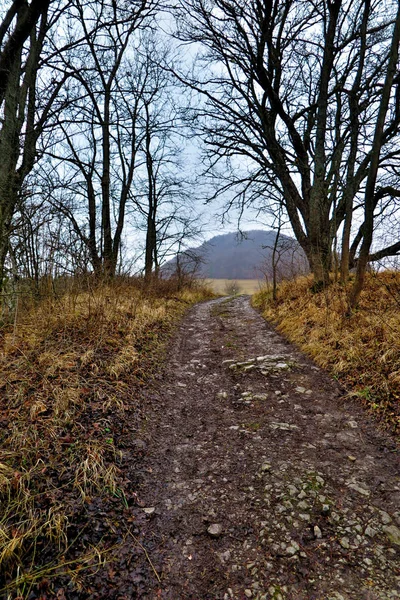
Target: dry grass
[[68, 372], [362, 351], [246, 286]]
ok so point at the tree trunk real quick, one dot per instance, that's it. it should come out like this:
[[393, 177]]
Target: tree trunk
[[9, 152], [350, 188], [369, 201], [151, 240], [107, 253], [319, 246]]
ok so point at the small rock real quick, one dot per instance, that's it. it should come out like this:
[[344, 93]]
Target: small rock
[[224, 556], [326, 509], [317, 532], [385, 517], [358, 488], [352, 458], [393, 533], [283, 426], [248, 593], [352, 424], [265, 467], [222, 395], [149, 510], [291, 551], [215, 530], [304, 517], [370, 531], [345, 542], [300, 389]]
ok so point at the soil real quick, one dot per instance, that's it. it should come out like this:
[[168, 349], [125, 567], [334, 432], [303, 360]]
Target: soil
[[263, 480], [252, 475]]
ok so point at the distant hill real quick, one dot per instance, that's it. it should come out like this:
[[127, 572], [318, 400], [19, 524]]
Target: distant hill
[[246, 256]]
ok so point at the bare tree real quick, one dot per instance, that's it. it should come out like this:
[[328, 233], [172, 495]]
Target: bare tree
[[378, 142], [18, 24], [97, 148], [292, 94], [163, 197], [26, 103]]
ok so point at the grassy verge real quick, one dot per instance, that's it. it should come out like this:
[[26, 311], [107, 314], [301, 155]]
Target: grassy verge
[[69, 410], [362, 351]]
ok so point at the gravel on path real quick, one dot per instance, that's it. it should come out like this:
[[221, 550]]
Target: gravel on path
[[264, 481]]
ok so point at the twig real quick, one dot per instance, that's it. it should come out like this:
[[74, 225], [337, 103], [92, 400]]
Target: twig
[[15, 319], [146, 553]]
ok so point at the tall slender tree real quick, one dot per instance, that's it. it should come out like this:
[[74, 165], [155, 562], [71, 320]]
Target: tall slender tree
[[24, 113]]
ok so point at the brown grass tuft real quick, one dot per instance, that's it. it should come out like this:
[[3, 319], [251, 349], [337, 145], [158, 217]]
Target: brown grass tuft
[[362, 351]]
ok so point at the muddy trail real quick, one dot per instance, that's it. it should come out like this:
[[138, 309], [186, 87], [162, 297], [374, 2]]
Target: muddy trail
[[263, 481]]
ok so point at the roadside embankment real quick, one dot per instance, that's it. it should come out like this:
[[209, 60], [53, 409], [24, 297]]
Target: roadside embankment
[[362, 350], [70, 414]]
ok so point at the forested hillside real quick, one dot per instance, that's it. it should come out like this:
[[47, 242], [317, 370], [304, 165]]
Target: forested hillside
[[248, 255]]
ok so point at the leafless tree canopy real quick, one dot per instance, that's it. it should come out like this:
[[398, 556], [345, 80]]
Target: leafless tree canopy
[[305, 94], [296, 103]]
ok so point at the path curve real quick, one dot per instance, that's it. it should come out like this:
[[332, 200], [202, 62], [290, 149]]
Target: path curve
[[266, 483]]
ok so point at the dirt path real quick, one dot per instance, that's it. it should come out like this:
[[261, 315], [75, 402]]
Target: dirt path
[[264, 482]]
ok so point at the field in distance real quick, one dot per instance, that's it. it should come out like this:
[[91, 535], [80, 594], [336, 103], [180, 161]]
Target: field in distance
[[227, 286]]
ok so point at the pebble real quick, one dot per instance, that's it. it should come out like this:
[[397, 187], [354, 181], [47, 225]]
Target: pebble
[[149, 510], [293, 548], [248, 593], [225, 556], [385, 518], [357, 487], [317, 532], [370, 531], [215, 530], [345, 542], [393, 533], [265, 467]]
